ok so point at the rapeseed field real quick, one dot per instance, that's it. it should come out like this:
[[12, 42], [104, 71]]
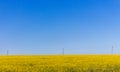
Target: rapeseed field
[[60, 63]]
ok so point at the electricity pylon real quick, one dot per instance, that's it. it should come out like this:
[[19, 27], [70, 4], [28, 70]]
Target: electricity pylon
[[7, 52], [112, 49], [63, 51]]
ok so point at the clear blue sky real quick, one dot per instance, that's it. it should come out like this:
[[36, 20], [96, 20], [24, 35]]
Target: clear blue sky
[[47, 26]]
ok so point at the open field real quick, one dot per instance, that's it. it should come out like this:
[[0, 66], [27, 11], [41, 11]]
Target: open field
[[59, 63]]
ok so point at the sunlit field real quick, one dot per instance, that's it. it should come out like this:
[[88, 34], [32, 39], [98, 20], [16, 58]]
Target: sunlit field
[[60, 63]]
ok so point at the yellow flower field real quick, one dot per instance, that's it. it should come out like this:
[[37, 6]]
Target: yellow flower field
[[60, 63]]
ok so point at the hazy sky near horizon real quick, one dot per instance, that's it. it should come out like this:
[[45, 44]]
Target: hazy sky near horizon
[[47, 26]]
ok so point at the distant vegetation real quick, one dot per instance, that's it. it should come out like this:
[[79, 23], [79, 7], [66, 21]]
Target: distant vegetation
[[66, 63]]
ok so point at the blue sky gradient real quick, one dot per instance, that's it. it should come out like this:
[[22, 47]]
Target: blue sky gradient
[[47, 26]]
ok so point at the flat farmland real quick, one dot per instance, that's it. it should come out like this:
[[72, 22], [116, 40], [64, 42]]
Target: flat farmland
[[60, 63]]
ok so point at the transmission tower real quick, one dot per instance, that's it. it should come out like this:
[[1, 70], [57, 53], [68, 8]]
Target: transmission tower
[[7, 52], [112, 49], [63, 51]]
